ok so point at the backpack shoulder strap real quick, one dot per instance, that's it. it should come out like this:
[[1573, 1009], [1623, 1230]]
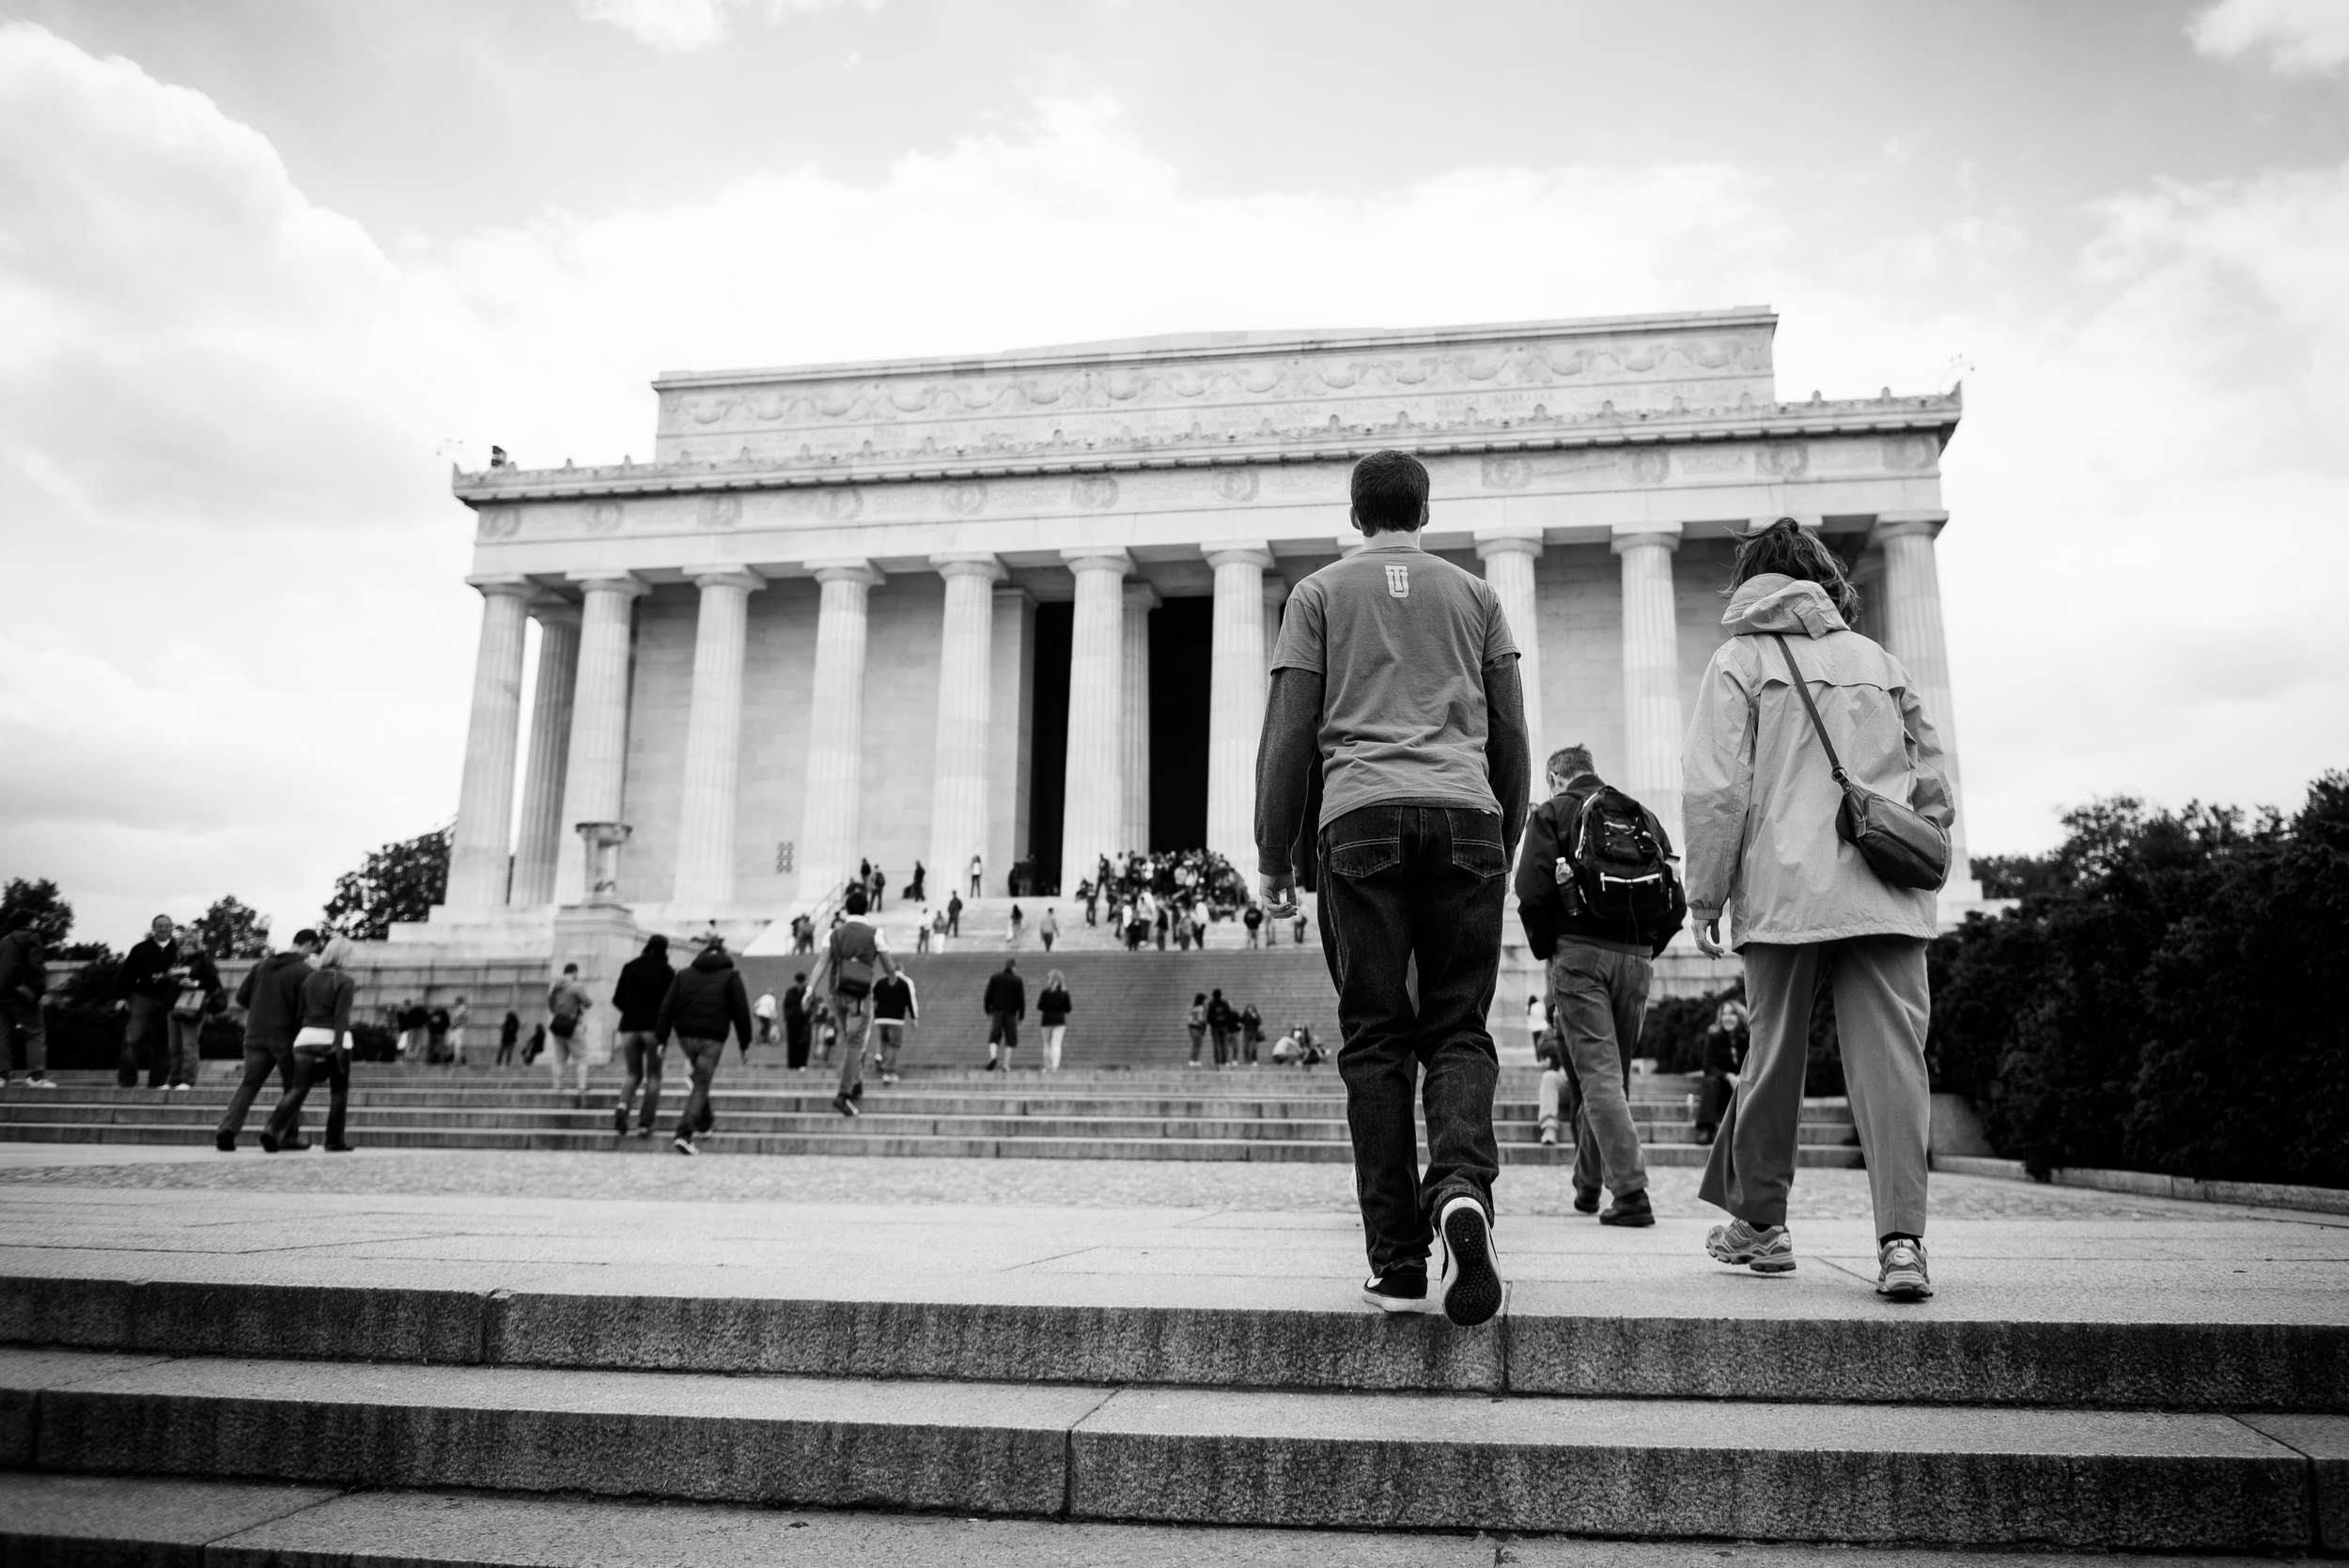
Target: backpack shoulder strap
[[1802, 690]]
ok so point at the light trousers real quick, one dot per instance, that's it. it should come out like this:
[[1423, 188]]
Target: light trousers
[[1598, 1000], [1882, 1005]]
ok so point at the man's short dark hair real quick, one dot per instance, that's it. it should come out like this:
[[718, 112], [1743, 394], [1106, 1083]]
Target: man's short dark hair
[[306, 938], [802, 977], [1389, 492], [1571, 761], [856, 901], [570, 969]]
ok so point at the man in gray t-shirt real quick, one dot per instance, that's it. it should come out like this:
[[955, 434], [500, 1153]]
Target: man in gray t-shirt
[[1395, 701]]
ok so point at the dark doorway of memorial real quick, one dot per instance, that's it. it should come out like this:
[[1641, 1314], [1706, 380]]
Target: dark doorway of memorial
[[1047, 760], [1182, 646]]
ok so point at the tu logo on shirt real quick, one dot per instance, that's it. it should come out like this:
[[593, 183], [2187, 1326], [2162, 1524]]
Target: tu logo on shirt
[[1398, 583]]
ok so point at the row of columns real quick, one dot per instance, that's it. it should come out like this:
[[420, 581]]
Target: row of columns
[[578, 741]]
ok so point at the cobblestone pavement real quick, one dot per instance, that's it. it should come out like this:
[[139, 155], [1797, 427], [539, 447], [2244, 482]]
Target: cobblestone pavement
[[1818, 1194]]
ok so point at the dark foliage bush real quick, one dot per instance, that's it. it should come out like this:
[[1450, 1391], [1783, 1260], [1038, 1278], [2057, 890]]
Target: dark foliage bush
[[2164, 997]]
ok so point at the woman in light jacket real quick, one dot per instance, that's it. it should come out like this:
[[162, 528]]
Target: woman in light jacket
[[1760, 807], [321, 1049]]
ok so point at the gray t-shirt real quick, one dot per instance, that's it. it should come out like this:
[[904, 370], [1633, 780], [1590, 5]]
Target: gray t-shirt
[[1400, 639]]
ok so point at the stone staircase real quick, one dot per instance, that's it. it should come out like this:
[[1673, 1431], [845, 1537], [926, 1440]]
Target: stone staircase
[[1264, 1113], [183, 1407]]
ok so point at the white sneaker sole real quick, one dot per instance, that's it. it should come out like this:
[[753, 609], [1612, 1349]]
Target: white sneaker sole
[[1395, 1306], [1472, 1276]]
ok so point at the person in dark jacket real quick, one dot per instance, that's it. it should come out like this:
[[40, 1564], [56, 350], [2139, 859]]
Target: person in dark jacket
[[1005, 1003], [508, 1033], [1221, 1020], [24, 981], [145, 989], [644, 985], [795, 1029], [271, 998], [321, 1049], [705, 1000], [1598, 987], [1725, 1058]]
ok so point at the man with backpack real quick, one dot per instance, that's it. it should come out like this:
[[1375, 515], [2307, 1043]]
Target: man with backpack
[[855, 955], [706, 999], [1599, 898]]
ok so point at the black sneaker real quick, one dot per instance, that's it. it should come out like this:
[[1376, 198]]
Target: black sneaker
[[1471, 1276], [845, 1106], [226, 1145], [1629, 1208], [1403, 1288], [1586, 1200], [619, 1121]]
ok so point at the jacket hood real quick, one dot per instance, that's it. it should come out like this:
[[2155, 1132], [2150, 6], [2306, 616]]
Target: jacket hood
[[292, 955], [711, 959], [655, 946], [1773, 601]]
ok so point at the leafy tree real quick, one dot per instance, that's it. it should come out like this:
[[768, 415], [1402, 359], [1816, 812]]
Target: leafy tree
[[2016, 875], [39, 905], [231, 929], [399, 882]]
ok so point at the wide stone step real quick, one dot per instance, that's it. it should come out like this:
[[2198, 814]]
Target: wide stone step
[[1814, 1341], [1675, 1468]]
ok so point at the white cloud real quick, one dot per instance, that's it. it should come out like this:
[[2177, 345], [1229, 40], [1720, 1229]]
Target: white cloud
[[244, 658], [685, 26], [2302, 37]]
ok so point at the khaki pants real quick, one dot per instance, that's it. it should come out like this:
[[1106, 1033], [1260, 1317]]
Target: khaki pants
[[1882, 1008], [1598, 1000]]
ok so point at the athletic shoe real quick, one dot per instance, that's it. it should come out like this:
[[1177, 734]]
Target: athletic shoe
[[683, 1144], [1471, 1275], [1586, 1200], [1549, 1135], [338, 1149], [269, 1144], [845, 1106], [1902, 1270], [1403, 1288], [1767, 1250], [1630, 1209], [644, 1132], [41, 1083], [619, 1121], [226, 1145], [182, 1088]]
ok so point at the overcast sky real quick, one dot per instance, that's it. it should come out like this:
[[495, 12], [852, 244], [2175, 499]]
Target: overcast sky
[[267, 268]]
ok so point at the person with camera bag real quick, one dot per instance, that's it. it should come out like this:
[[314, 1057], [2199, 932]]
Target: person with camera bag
[[1599, 899], [855, 955], [1817, 817]]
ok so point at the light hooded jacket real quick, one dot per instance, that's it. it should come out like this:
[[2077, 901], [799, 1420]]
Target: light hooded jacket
[[1760, 798]]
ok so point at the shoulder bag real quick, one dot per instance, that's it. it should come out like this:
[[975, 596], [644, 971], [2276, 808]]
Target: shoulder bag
[[1900, 847]]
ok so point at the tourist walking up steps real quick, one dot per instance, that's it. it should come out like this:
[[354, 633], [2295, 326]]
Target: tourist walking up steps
[[24, 981], [566, 1008], [895, 1008], [1196, 1021], [1395, 698], [1006, 1002], [854, 956], [1791, 695], [271, 998], [1051, 1012], [321, 1049], [1599, 899], [763, 1015], [644, 985], [145, 987], [706, 998], [795, 1023]]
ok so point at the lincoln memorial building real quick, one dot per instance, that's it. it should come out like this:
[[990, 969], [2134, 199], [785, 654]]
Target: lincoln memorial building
[[1020, 605]]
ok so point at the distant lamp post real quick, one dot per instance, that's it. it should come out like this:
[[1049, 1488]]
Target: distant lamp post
[[602, 842]]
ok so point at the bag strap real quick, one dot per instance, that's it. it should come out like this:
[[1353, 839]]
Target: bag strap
[[1802, 690]]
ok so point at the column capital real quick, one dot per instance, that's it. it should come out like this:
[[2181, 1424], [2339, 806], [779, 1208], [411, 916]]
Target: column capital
[[1243, 553], [1522, 538], [1012, 593], [730, 577], [1141, 595], [1809, 523], [1641, 536], [1093, 558], [548, 610], [500, 586], [1896, 525], [609, 583], [846, 568], [968, 564]]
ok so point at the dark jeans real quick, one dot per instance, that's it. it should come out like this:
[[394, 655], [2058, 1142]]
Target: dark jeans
[[258, 1062], [643, 1052], [702, 1056], [143, 1043], [310, 1063], [795, 1043], [1401, 884], [21, 1019]]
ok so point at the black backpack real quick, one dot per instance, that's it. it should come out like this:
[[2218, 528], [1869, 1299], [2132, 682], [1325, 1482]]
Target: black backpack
[[1619, 873]]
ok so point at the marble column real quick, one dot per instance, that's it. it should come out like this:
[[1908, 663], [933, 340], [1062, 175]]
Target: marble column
[[1093, 808], [962, 774], [1235, 698], [1133, 715], [1911, 617], [539, 849], [1508, 554], [1651, 672], [832, 819], [713, 742], [485, 791], [1011, 750], [595, 774]]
